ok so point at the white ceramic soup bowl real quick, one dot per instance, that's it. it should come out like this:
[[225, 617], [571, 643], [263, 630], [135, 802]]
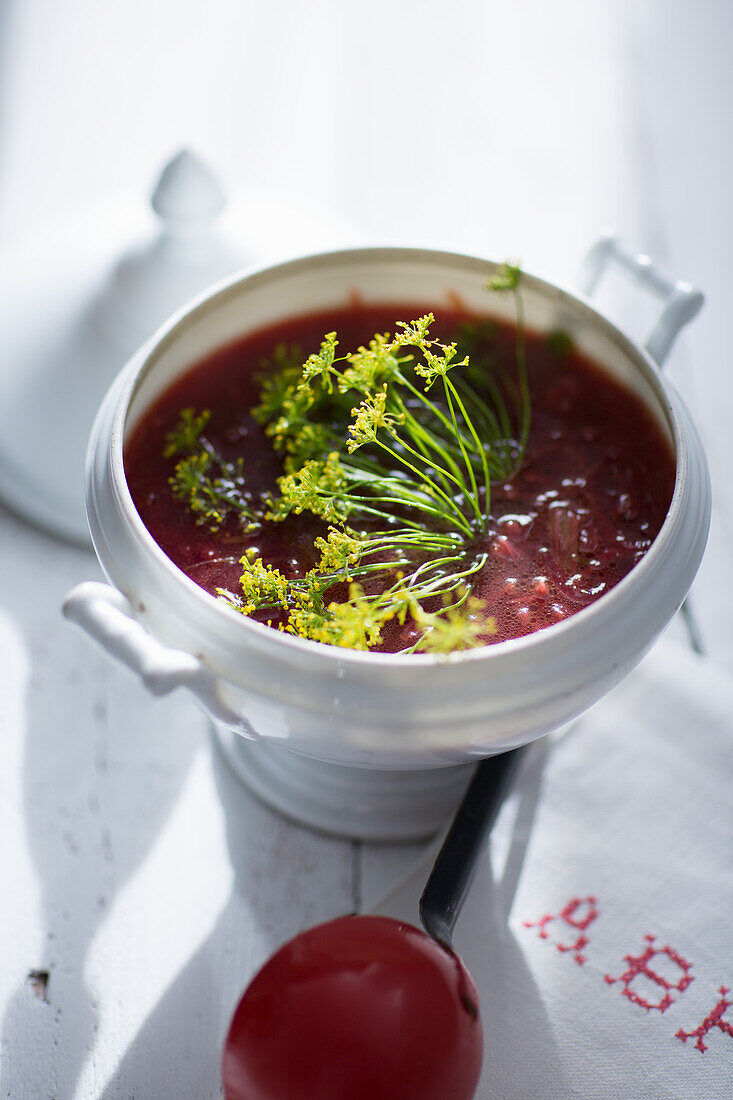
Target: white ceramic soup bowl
[[379, 738]]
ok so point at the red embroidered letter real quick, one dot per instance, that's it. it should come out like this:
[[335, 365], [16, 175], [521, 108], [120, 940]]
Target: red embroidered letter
[[713, 1019], [575, 919], [638, 965]]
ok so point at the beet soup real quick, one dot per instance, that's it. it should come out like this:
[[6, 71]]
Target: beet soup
[[569, 509]]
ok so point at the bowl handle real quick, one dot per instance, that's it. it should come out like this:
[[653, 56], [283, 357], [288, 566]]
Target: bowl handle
[[104, 613], [682, 301]]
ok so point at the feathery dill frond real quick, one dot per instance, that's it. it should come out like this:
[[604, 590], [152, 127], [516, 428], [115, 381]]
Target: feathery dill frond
[[395, 447]]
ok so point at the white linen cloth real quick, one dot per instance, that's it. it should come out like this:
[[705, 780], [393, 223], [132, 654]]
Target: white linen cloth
[[600, 930]]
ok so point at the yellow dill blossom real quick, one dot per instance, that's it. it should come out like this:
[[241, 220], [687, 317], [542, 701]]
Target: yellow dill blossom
[[437, 366], [213, 490], [293, 411], [403, 603], [320, 365], [307, 619], [414, 333], [357, 623], [370, 366], [190, 483], [308, 442], [319, 487], [339, 550], [506, 278], [262, 585], [461, 626], [278, 382], [186, 433], [371, 415]]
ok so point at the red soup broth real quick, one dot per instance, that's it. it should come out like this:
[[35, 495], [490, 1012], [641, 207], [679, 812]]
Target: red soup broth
[[593, 491]]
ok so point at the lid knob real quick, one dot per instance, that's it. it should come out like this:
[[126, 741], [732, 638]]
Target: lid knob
[[187, 193]]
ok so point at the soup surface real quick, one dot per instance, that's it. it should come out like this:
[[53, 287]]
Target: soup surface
[[592, 492]]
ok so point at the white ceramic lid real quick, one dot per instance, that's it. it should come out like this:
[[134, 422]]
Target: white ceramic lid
[[81, 295]]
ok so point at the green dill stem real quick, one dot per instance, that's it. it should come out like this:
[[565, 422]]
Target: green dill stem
[[498, 423], [420, 443], [386, 515], [480, 448], [429, 481], [469, 572], [396, 547], [433, 565], [447, 607], [377, 470], [337, 576], [466, 592], [438, 412], [495, 430], [458, 481], [430, 588], [416, 500], [502, 412], [414, 583], [410, 582], [473, 495], [453, 429], [423, 438], [421, 474], [504, 425], [419, 503], [526, 415], [410, 538], [403, 489]]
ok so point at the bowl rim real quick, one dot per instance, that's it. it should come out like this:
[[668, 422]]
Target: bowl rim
[[144, 361]]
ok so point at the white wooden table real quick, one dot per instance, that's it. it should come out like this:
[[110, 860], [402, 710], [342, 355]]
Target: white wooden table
[[141, 884]]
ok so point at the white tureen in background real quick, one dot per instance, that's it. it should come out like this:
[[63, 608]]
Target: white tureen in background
[[380, 745]]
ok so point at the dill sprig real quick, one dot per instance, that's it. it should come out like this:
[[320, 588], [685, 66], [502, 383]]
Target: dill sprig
[[395, 447], [212, 488]]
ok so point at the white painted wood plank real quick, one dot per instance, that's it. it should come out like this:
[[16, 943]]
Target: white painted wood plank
[[145, 880], [682, 99]]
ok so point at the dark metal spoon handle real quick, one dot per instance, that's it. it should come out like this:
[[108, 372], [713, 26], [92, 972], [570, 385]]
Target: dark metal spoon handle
[[453, 871]]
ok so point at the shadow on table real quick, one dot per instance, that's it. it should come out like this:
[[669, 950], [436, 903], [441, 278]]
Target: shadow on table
[[513, 1013], [102, 769], [177, 1051], [515, 1017]]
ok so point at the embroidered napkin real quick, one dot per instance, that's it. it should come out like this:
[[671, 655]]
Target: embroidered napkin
[[600, 926]]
